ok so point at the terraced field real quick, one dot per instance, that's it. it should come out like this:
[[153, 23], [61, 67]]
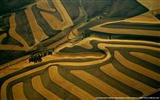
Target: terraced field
[[96, 54]]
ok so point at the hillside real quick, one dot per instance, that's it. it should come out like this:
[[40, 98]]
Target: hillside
[[79, 49]]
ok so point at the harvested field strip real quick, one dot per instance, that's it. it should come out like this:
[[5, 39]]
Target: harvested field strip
[[136, 67], [42, 90], [111, 71], [146, 57], [18, 93], [38, 33], [100, 85], [56, 78]]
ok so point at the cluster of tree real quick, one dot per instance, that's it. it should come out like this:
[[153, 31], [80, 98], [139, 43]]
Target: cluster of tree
[[83, 35], [37, 57]]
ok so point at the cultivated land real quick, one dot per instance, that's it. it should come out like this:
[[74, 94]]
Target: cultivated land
[[87, 62]]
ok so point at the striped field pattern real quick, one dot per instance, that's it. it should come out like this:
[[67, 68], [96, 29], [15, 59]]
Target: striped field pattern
[[89, 60], [122, 71]]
